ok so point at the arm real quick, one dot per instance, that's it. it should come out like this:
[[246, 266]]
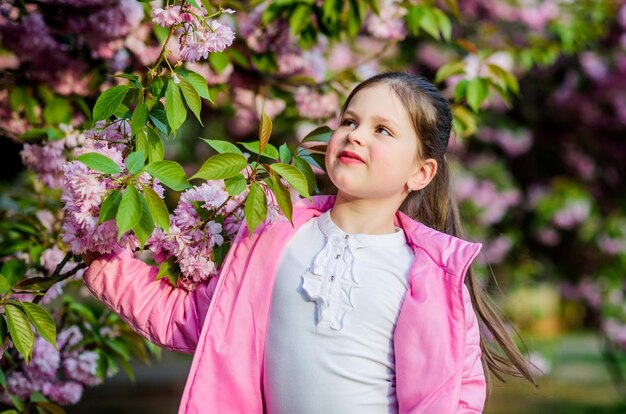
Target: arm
[[169, 317], [473, 386]]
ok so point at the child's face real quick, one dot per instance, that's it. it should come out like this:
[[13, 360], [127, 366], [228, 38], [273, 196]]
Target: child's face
[[377, 128]]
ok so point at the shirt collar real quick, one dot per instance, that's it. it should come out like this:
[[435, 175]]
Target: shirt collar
[[330, 229]]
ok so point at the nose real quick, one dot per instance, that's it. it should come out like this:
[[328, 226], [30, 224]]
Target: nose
[[354, 137]]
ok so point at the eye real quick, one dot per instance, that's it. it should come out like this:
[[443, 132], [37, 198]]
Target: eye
[[348, 122], [383, 131]]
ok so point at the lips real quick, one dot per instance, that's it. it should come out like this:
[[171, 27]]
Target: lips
[[351, 155]]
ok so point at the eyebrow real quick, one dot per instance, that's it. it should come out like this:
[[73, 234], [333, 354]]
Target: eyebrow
[[377, 118]]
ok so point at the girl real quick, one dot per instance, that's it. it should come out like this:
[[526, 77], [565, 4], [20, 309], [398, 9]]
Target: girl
[[360, 307]]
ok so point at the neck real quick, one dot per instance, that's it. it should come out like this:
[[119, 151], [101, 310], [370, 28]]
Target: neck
[[363, 216]]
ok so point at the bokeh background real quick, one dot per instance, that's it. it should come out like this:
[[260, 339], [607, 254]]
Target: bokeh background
[[539, 96]]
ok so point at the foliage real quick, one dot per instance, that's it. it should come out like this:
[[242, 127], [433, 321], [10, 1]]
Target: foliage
[[100, 92]]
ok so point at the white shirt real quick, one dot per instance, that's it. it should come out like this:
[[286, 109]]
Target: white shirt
[[335, 302]]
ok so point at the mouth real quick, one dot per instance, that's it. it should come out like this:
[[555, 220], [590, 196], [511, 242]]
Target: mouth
[[349, 157]]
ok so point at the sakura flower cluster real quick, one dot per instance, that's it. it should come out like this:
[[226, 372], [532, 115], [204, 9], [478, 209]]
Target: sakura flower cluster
[[47, 159], [85, 190], [192, 238], [59, 375], [199, 33]]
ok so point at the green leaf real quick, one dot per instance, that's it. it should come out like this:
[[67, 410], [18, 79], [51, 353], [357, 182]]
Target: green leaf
[[237, 57], [476, 93], [218, 61], [222, 146], [57, 111], [192, 98], [265, 131], [235, 185], [158, 85], [174, 106], [306, 169], [4, 286], [122, 112], [134, 79], [294, 177], [198, 82], [284, 153], [108, 101], [506, 77], [282, 195], [319, 134], [81, 310], [170, 173], [299, 18], [54, 134], [50, 407], [37, 397], [194, 4], [270, 151], [159, 118], [37, 283], [445, 27], [99, 162], [140, 117], [42, 321], [450, 69], [169, 269], [129, 211], [20, 330], [31, 110], [464, 121], [428, 22], [3, 378], [13, 270], [118, 348], [255, 209], [155, 146], [4, 331], [109, 207], [355, 19], [18, 99], [221, 166], [134, 162], [157, 208], [143, 229], [459, 90]]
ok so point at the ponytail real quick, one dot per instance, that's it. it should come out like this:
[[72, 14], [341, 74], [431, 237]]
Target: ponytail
[[436, 207]]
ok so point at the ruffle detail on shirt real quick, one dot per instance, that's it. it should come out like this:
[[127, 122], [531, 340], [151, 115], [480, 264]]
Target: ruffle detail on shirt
[[334, 300]]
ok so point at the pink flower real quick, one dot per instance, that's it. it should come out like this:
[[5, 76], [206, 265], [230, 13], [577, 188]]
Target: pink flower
[[496, 250], [218, 37], [593, 65], [572, 214], [63, 393], [166, 17], [388, 25], [314, 105], [45, 360], [82, 368], [548, 236], [20, 385]]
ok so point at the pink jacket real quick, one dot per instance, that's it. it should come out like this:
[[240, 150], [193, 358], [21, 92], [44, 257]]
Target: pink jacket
[[436, 340]]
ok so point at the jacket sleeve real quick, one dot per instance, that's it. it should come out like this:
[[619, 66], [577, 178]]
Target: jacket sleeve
[[473, 385], [171, 318]]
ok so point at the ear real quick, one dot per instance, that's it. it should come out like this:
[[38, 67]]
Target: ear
[[426, 171]]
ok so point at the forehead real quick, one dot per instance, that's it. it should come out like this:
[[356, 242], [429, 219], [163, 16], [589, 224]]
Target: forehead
[[380, 100]]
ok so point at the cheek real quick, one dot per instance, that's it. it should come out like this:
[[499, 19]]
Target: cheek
[[331, 146]]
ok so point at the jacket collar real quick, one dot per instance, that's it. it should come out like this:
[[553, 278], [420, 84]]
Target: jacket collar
[[449, 252]]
